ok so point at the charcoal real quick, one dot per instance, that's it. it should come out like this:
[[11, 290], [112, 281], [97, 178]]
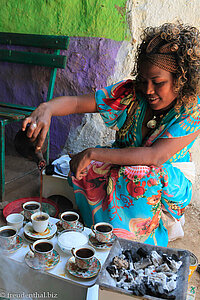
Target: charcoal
[[135, 256], [111, 270], [150, 290], [144, 273], [128, 256], [166, 259], [140, 273], [129, 278], [142, 289], [169, 274], [145, 280], [142, 264], [163, 268], [156, 258], [159, 289], [120, 262], [136, 291], [171, 285], [142, 252], [150, 270], [159, 252], [133, 272], [175, 257], [120, 275]]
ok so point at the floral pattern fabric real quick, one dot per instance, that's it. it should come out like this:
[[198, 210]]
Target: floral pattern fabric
[[131, 198]]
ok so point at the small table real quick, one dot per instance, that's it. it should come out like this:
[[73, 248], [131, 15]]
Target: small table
[[86, 287]]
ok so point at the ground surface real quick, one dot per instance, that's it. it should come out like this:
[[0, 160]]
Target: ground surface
[[191, 240]]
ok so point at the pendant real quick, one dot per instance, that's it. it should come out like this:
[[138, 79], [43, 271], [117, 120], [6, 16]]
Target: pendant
[[152, 123]]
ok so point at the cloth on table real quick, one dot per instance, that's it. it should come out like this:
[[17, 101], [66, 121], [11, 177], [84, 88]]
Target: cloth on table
[[61, 165], [132, 198]]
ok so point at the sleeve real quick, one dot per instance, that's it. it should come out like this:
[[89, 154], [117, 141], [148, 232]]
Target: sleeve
[[185, 124], [113, 101]]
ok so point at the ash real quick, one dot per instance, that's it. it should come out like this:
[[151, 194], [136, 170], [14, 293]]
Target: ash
[[146, 273]]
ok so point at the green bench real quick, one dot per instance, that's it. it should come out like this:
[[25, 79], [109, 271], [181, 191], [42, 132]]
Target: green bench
[[14, 112]]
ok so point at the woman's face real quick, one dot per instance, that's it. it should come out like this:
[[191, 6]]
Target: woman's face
[[157, 86]]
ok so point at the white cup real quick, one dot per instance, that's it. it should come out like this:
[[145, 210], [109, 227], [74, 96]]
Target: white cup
[[40, 221], [15, 220]]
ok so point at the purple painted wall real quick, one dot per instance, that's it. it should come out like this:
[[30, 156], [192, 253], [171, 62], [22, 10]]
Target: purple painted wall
[[90, 62]]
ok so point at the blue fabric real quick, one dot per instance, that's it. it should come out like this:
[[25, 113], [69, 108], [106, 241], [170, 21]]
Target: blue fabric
[[131, 198]]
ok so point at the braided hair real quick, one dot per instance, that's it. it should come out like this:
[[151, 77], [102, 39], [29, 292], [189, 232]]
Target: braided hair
[[174, 47]]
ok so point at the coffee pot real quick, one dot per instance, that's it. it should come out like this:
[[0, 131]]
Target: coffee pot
[[25, 147]]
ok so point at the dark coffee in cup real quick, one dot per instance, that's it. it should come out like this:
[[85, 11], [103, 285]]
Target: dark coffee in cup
[[43, 247], [104, 228], [84, 253], [31, 206], [70, 217], [69, 220], [40, 218], [7, 232]]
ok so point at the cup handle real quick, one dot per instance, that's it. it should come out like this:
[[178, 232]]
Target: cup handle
[[31, 247], [92, 227], [72, 251]]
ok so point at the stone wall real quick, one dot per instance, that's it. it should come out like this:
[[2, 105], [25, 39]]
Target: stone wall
[[140, 14]]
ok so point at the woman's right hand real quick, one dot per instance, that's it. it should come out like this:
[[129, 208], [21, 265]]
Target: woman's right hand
[[39, 122]]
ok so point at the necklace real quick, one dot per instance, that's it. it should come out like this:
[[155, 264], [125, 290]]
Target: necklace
[[153, 122]]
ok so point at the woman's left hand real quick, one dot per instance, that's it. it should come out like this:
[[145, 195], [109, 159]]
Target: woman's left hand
[[79, 163]]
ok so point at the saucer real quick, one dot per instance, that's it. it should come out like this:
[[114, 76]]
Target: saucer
[[18, 245], [95, 243], [49, 264], [93, 270], [32, 235], [79, 227]]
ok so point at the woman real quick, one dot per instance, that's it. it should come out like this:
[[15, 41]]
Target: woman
[[156, 118]]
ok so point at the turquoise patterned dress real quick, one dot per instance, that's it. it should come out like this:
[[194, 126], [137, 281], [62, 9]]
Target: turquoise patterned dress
[[131, 198]]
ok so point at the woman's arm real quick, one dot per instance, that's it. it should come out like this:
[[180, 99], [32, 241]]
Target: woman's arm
[[155, 155], [40, 119]]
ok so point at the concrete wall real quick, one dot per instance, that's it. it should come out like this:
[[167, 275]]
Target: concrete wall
[[140, 14], [153, 13], [85, 18]]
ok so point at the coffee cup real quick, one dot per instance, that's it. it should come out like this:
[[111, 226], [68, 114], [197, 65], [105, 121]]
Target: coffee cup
[[83, 256], [42, 250], [29, 208], [69, 220], [15, 220], [193, 265], [40, 221], [8, 235], [103, 232]]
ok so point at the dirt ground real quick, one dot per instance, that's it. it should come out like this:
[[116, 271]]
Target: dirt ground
[[191, 241]]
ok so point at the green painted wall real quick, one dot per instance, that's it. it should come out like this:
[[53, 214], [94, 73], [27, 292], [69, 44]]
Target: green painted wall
[[86, 18]]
